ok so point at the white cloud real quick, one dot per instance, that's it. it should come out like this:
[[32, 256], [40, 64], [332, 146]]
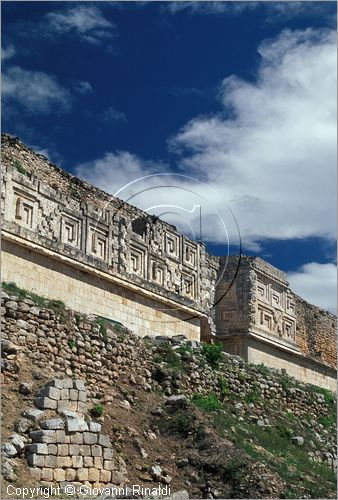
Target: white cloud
[[209, 7], [272, 156], [316, 283], [83, 87], [7, 52], [114, 170], [34, 91], [113, 115], [84, 21]]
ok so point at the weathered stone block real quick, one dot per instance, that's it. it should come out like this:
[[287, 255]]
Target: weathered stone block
[[117, 477], [98, 462], [82, 396], [69, 414], [76, 425], [85, 450], [59, 475], [73, 395], [77, 462], [107, 453], [35, 460], [81, 407], [93, 475], [89, 438], [88, 461], [96, 450], [63, 450], [65, 383], [52, 449], [53, 424], [65, 394], [50, 392], [44, 436], [40, 448], [76, 438], [82, 474], [64, 462], [105, 476], [79, 385], [33, 414], [94, 427], [108, 464], [45, 403], [35, 472], [104, 441], [46, 474], [62, 437], [50, 461], [57, 383], [74, 449], [70, 474]]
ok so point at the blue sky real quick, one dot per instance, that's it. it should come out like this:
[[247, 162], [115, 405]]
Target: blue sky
[[238, 95]]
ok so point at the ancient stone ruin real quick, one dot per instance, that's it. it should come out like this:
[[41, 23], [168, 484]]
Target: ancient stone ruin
[[67, 240], [67, 447]]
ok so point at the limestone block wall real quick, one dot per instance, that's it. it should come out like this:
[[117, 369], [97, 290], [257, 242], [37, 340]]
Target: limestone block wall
[[316, 332], [260, 305], [45, 206], [88, 293], [301, 367]]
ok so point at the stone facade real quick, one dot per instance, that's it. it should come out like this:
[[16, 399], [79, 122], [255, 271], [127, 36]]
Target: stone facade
[[263, 321], [60, 235], [67, 240]]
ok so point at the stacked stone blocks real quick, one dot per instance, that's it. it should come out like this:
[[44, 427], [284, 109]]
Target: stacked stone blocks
[[67, 448]]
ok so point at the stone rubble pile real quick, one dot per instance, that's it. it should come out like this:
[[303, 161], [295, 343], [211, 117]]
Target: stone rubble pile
[[79, 347], [65, 447]]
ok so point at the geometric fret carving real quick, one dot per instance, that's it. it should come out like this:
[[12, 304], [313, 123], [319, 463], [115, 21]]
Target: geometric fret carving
[[24, 210], [189, 255], [158, 271], [70, 230], [137, 261], [172, 245], [188, 285], [98, 243]]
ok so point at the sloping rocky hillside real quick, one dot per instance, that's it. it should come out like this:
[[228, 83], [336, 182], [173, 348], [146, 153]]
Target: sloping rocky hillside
[[177, 413]]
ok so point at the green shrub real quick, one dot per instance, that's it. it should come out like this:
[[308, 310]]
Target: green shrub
[[20, 168], [71, 343], [207, 403], [102, 328], [212, 353], [97, 410], [223, 387]]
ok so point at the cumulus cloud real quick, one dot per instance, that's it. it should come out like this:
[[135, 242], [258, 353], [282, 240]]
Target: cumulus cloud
[[115, 170], [34, 92], [113, 115], [7, 52], [317, 283], [84, 21], [271, 154]]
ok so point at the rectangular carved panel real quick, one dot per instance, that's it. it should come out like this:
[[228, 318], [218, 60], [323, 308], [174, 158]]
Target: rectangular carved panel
[[172, 245], [137, 263], [98, 243], [70, 230]]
